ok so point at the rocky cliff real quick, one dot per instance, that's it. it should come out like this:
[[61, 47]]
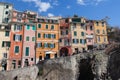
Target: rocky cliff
[[85, 66]]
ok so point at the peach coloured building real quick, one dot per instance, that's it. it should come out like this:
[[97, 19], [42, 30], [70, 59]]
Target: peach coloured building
[[47, 38]]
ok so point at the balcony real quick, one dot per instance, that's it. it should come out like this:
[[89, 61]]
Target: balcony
[[89, 36], [64, 24]]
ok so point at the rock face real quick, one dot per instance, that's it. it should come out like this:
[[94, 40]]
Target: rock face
[[84, 66]]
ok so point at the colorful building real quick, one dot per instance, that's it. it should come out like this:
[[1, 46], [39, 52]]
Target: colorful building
[[47, 38], [90, 34], [28, 57], [65, 37], [100, 33], [5, 18], [16, 38], [78, 33]]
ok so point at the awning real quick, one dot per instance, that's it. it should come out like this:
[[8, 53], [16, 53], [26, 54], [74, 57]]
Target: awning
[[50, 52]]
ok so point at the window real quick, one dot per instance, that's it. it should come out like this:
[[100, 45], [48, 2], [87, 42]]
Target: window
[[82, 34], [75, 33], [74, 25], [27, 38], [46, 26], [98, 31], [28, 27], [33, 38], [31, 59], [6, 44], [66, 32], [17, 27], [103, 24], [39, 45], [7, 33], [6, 20], [45, 35], [53, 36], [49, 35], [17, 37], [46, 45], [7, 6], [91, 28], [104, 39], [39, 35], [39, 25], [103, 32], [16, 49], [97, 23], [6, 12], [33, 27], [75, 41], [81, 41], [52, 45], [5, 55], [98, 38], [62, 33], [27, 51], [60, 40], [52, 26]]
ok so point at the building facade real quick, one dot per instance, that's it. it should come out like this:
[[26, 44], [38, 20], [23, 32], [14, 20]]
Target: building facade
[[90, 34], [47, 38], [16, 38], [28, 57], [65, 37], [5, 18], [100, 33], [78, 33]]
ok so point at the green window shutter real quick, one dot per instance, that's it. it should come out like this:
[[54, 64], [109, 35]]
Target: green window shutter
[[44, 35], [80, 40], [3, 44], [27, 51], [75, 33], [52, 26], [20, 37], [28, 27], [33, 27], [16, 49], [39, 35], [46, 26], [14, 27], [54, 36], [82, 33], [39, 25], [14, 37], [9, 44], [33, 38], [27, 38], [7, 33]]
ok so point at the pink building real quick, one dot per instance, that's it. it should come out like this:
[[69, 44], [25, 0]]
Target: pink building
[[29, 45], [29, 40], [89, 34]]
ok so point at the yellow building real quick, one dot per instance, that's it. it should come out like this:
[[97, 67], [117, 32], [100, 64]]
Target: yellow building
[[47, 38], [78, 34], [100, 33]]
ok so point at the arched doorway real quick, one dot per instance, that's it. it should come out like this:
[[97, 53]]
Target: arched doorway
[[64, 51]]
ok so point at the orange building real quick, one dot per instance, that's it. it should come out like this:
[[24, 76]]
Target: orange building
[[16, 38], [47, 38]]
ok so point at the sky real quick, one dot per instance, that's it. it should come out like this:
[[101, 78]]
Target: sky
[[90, 9]]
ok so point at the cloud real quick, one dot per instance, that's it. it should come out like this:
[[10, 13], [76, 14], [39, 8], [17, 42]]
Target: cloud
[[50, 15], [68, 7], [89, 2], [81, 2], [42, 6]]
